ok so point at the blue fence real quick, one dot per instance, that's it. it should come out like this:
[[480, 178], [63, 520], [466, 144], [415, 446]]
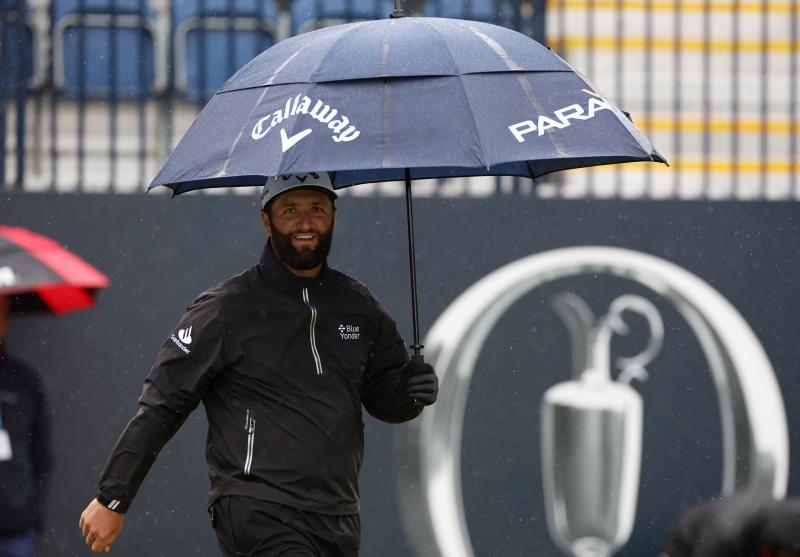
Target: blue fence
[[97, 92]]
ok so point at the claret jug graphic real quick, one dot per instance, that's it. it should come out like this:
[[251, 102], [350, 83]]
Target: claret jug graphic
[[591, 435], [591, 439]]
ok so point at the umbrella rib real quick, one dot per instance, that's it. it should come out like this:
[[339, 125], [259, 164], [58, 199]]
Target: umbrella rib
[[475, 128], [494, 46], [512, 65], [294, 124], [323, 62], [224, 170], [255, 61]]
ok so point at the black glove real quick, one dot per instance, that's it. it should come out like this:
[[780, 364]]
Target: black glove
[[746, 525], [422, 385]]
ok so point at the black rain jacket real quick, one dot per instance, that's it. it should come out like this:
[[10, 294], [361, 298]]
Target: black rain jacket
[[25, 417], [282, 365]]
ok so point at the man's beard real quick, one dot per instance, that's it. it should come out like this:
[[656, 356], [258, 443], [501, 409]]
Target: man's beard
[[302, 260]]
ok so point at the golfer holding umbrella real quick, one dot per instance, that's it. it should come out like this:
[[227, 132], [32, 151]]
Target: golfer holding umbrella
[[283, 356]]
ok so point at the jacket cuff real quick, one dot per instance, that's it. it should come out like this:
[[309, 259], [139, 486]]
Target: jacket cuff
[[116, 505], [405, 407]]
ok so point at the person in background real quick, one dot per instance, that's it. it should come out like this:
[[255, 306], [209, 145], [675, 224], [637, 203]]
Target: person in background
[[749, 524], [24, 450]]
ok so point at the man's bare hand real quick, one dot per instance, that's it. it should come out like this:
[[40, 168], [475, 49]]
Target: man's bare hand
[[100, 526]]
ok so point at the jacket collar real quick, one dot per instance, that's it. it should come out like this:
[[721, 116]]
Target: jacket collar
[[271, 268]]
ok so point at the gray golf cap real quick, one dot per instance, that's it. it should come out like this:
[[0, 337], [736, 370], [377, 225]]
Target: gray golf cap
[[277, 185]]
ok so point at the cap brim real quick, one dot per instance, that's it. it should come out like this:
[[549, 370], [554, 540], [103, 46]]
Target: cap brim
[[331, 193]]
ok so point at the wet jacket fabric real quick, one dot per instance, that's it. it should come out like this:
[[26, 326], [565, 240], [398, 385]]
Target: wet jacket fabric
[[282, 365], [25, 418]]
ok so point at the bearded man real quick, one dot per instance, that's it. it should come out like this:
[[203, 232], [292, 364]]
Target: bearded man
[[283, 357]]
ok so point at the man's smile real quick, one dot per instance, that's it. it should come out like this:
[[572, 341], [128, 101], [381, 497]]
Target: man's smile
[[304, 238]]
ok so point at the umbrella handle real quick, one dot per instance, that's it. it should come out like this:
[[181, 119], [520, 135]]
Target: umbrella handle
[[416, 347]]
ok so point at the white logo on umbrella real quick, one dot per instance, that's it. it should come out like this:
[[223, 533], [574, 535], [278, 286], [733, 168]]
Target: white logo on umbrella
[[321, 112], [7, 277], [561, 119]]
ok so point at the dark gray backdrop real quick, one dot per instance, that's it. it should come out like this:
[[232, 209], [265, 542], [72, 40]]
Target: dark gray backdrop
[[160, 254]]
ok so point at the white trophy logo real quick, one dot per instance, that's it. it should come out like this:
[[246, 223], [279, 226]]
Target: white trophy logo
[[755, 442], [591, 433]]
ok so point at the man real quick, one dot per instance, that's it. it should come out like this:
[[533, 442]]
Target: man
[[24, 450], [282, 356]]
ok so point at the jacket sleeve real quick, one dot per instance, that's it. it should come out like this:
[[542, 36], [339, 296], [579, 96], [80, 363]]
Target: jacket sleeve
[[186, 364], [384, 394]]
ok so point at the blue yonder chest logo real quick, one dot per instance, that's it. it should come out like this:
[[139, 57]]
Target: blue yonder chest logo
[[350, 332]]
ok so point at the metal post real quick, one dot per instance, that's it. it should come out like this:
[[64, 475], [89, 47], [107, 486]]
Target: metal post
[[706, 100], [3, 94], [399, 9], [794, 75], [736, 101], [143, 89], [113, 96], [416, 347], [83, 55], [21, 92]]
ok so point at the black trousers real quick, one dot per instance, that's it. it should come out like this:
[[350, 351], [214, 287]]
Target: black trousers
[[248, 527]]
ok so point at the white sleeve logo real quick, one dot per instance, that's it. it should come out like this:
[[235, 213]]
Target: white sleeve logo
[[185, 335]]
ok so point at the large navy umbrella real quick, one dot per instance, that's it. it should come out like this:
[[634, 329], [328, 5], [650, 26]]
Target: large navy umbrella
[[402, 99]]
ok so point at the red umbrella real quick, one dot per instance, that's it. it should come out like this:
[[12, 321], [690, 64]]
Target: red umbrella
[[39, 274]]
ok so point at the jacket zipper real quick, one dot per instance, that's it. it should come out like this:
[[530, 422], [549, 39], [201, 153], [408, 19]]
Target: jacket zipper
[[250, 428], [312, 326]]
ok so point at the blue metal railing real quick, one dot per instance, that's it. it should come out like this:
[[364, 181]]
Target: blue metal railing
[[97, 92], [142, 67]]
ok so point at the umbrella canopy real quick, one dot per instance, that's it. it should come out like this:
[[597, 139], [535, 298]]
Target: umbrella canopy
[[402, 99], [38, 274], [366, 101]]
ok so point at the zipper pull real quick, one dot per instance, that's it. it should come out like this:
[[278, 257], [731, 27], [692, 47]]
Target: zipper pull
[[249, 423]]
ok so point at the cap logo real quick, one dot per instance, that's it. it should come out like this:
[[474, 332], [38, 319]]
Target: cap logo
[[284, 182], [301, 177]]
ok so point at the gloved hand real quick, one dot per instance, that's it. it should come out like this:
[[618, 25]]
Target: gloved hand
[[422, 385], [745, 525]]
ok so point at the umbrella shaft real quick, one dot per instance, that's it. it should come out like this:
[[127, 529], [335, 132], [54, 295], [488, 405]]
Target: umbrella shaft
[[416, 347]]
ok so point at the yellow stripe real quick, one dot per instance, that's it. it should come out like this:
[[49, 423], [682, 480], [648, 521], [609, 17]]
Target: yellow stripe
[[662, 43], [664, 6], [749, 167], [716, 126], [713, 166]]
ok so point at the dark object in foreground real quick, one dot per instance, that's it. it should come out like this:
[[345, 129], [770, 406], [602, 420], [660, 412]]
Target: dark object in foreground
[[745, 525]]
